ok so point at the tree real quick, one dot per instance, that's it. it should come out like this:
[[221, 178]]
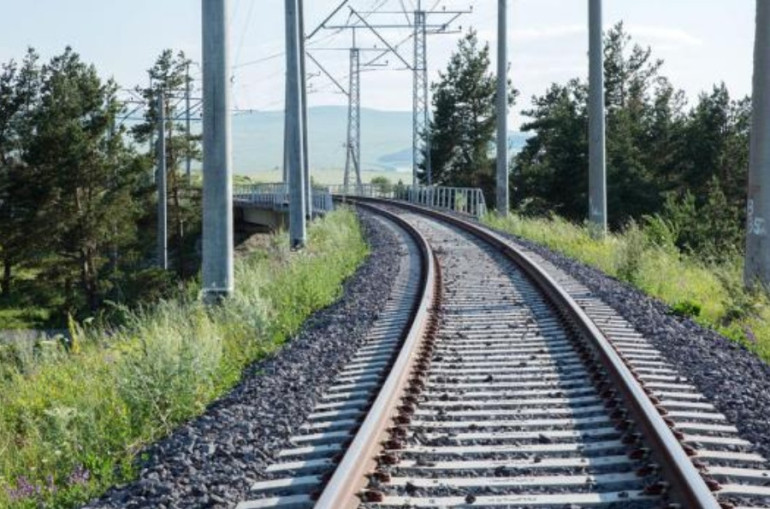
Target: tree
[[688, 167], [19, 94], [170, 77], [644, 124], [464, 119], [85, 170], [551, 172], [382, 184]]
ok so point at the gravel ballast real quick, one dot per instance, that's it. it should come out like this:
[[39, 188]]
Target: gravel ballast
[[733, 379], [213, 460]]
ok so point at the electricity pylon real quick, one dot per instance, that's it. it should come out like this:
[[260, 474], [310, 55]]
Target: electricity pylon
[[421, 29], [353, 92], [353, 144], [420, 98]]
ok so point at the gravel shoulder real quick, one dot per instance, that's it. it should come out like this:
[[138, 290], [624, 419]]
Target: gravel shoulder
[[213, 460], [734, 380]]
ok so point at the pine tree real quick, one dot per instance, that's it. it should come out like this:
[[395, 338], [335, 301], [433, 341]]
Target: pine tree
[[551, 172], [86, 174], [19, 93], [464, 119]]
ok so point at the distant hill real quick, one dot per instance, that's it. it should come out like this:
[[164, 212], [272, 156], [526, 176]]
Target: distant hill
[[386, 139]]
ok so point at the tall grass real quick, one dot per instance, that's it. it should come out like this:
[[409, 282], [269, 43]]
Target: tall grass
[[74, 416], [710, 293]]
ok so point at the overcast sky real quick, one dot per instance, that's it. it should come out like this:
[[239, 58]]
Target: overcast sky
[[702, 41]]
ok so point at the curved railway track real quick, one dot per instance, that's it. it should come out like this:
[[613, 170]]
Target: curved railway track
[[491, 379]]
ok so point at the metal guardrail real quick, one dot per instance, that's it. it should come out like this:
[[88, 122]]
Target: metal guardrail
[[276, 197], [465, 200]]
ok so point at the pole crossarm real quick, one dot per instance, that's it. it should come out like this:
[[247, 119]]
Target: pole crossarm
[[328, 74], [369, 25], [327, 19], [380, 37]]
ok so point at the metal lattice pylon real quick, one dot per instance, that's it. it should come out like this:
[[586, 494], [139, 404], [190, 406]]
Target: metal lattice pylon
[[421, 108], [353, 152]]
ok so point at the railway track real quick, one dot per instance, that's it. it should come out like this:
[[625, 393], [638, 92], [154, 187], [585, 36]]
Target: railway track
[[492, 379]]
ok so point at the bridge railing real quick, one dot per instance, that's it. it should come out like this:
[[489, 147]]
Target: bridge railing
[[272, 196], [276, 196], [465, 200]]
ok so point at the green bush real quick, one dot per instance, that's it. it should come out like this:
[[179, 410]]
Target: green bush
[[73, 416], [382, 184], [686, 308], [630, 254]]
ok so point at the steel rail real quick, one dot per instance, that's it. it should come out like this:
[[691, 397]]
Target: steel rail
[[360, 457], [686, 485]]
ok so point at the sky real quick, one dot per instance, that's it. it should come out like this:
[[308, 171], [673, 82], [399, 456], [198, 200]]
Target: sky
[[702, 42]]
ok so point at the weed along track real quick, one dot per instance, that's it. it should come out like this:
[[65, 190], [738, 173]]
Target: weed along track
[[492, 379]]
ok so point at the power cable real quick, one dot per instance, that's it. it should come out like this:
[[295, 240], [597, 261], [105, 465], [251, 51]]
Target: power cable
[[245, 31]]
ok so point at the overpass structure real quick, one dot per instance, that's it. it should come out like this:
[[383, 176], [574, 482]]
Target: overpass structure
[[267, 206]]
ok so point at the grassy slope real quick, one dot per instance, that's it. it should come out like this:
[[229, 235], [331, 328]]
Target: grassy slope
[[712, 294], [71, 422]]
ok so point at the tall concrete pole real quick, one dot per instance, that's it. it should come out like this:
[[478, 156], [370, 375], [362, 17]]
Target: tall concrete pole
[[297, 190], [757, 266], [188, 158], [303, 82], [218, 281], [286, 132], [151, 141], [597, 169], [162, 176], [503, 198]]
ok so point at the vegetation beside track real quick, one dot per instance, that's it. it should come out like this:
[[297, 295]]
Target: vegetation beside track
[[74, 417], [710, 292]]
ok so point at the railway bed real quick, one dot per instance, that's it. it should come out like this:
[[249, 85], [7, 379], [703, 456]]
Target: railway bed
[[493, 378]]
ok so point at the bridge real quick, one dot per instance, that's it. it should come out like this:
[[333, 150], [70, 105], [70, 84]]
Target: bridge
[[266, 206]]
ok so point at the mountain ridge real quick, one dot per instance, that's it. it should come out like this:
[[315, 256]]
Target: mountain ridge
[[386, 139]]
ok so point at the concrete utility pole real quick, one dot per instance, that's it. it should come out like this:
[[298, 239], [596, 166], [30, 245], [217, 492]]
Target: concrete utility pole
[[303, 81], [218, 281], [161, 177], [503, 198], [286, 135], [597, 168], [757, 266], [188, 158], [151, 142], [294, 143]]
